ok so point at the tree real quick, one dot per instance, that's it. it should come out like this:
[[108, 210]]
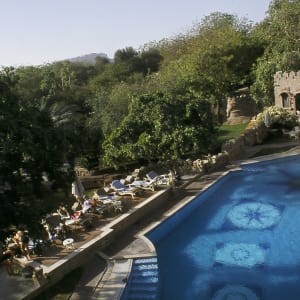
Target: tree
[[223, 54], [150, 60], [216, 57], [160, 126], [30, 147], [64, 98], [126, 63], [280, 34], [101, 62], [28, 83]]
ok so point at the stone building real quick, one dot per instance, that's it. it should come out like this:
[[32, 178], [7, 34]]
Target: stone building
[[287, 91], [240, 107]]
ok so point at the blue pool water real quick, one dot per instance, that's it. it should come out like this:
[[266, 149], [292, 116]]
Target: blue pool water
[[238, 240], [143, 280]]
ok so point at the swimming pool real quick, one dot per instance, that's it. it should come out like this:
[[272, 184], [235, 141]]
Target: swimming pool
[[238, 240]]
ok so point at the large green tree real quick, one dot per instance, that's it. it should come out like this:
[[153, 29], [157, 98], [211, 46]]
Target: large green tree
[[216, 56], [222, 53], [161, 126]]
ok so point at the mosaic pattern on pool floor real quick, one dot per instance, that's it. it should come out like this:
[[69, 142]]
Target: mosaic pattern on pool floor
[[253, 215], [240, 255], [235, 292]]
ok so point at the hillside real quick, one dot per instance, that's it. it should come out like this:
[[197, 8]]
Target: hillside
[[87, 58]]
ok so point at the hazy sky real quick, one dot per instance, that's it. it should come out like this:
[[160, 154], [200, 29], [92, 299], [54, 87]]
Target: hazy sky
[[41, 31]]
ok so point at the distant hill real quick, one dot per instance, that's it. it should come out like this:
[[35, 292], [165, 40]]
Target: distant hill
[[87, 58]]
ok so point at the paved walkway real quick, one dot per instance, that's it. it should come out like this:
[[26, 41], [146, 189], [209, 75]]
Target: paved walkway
[[250, 151]]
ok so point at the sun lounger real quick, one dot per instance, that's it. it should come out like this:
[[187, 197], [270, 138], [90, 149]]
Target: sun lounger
[[143, 185], [122, 189], [153, 177]]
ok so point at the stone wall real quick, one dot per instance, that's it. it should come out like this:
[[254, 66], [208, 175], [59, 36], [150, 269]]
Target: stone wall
[[240, 108], [287, 85], [231, 150], [253, 135]]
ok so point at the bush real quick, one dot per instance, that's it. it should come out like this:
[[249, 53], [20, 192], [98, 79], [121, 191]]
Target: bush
[[280, 117]]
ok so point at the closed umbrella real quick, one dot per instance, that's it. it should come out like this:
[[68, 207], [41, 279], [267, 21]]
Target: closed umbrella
[[77, 188], [267, 119]]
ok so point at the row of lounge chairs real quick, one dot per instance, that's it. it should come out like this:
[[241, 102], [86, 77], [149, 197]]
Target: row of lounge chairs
[[111, 202], [60, 223], [131, 186]]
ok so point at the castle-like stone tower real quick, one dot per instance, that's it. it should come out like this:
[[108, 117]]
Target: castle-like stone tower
[[240, 107], [287, 91]]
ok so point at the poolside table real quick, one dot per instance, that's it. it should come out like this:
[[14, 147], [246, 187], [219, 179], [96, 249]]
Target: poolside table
[[69, 243]]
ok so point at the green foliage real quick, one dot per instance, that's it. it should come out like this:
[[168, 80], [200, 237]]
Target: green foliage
[[189, 79], [101, 63], [129, 62], [216, 57], [113, 87], [280, 117], [31, 146], [227, 42], [150, 60], [279, 32], [160, 126]]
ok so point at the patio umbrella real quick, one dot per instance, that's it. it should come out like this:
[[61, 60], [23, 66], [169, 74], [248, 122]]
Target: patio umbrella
[[77, 188], [267, 119]]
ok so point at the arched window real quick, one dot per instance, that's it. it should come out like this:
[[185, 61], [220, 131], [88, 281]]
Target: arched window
[[285, 100]]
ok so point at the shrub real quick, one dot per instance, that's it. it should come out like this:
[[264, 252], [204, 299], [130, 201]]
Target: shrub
[[280, 117]]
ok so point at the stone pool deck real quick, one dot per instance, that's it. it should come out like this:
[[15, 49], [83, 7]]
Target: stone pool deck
[[107, 267]]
